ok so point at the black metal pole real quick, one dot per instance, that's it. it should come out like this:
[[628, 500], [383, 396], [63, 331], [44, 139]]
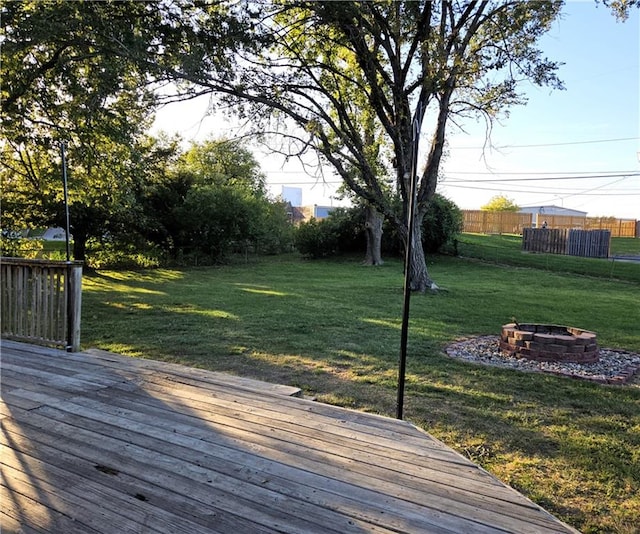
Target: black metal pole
[[404, 332], [66, 199]]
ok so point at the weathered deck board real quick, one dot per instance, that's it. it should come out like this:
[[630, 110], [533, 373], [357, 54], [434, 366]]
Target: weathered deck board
[[96, 442]]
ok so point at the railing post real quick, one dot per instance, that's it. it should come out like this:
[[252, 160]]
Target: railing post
[[74, 305]]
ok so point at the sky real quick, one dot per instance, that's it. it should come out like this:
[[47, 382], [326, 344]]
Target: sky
[[578, 148]]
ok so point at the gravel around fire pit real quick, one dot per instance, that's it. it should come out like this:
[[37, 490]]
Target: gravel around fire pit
[[614, 366]]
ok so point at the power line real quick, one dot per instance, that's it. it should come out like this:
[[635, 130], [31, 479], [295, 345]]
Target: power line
[[490, 181], [547, 178], [548, 144], [457, 184], [532, 173], [319, 182], [453, 182], [546, 192], [554, 192]]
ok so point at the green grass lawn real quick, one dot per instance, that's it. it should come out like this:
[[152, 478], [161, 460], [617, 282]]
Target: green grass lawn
[[333, 329], [507, 249], [625, 245]]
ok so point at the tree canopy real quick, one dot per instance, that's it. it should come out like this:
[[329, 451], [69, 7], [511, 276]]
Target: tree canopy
[[59, 88], [411, 66], [500, 203], [370, 86], [223, 162]]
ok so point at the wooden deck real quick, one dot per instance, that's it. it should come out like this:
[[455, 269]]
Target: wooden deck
[[99, 443]]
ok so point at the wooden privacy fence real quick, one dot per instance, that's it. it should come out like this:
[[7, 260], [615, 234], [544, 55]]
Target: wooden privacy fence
[[41, 301], [495, 222], [617, 227], [488, 222], [585, 243]]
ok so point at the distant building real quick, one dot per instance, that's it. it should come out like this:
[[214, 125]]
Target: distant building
[[293, 195], [297, 212], [306, 213], [322, 212], [55, 234], [541, 213], [46, 234], [553, 210]]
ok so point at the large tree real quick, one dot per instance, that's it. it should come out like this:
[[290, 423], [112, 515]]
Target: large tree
[[59, 88], [416, 65], [65, 79]]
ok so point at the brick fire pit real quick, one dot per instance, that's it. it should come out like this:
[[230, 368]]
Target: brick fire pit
[[546, 342]]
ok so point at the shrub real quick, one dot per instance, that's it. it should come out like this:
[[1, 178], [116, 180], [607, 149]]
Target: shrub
[[339, 233], [217, 220], [19, 247], [441, 224], [212, 219], [342, 231], [316, 239], [272, 231], [112, 254], [348, 226]]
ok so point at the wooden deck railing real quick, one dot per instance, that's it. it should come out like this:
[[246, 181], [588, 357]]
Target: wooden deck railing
[[41, 301]]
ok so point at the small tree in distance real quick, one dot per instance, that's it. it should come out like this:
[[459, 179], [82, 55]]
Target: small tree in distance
[[500, 203]]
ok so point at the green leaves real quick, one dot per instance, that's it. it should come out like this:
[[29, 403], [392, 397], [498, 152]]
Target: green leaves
[[224, 162], [63, 84], [500, 203], [620, 8]]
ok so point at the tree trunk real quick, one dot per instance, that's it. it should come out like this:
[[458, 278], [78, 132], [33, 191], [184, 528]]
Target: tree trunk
[[419, 279], [373, 233], [79, 246]]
